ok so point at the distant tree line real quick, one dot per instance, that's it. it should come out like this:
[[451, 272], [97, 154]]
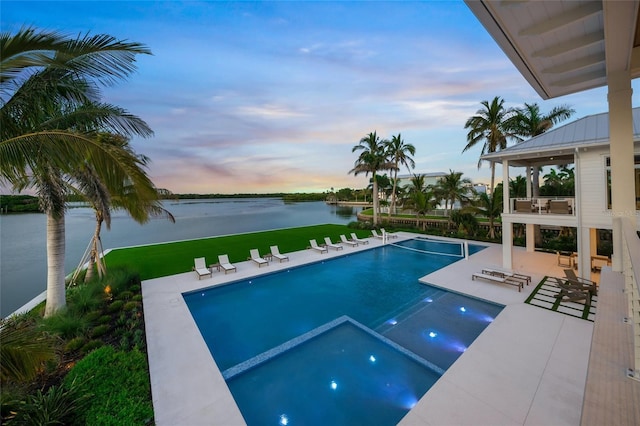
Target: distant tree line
[[19, 204]]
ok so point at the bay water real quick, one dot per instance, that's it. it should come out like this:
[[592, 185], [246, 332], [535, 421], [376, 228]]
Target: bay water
[[23, 252]]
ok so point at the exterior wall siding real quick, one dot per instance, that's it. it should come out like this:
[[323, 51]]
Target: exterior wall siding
[[593, 200]]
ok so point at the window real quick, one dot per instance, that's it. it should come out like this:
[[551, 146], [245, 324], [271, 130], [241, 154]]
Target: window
[[637, 180]]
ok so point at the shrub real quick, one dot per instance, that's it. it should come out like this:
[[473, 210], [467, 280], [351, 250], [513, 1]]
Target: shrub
[[125, 295], [130, 306], [104, 319], [23, 350], [58, 405], [115, 306], [120, 279], [100, 330], [85, 297], [137, 298], [74, 344], [91, 345], [118, 398], [93, 316], [65, 324]]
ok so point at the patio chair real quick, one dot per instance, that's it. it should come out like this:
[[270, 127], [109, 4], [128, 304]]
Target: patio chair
[[589, 285], [524, 206], [388, 234], [255, 256], [223, 261], [564, 259], [329, 244], [355, 238], [572, 291], [314, 245], [200, 266], [375, 234], [559, 207], [275, 252], [498, 280], [344, 240]]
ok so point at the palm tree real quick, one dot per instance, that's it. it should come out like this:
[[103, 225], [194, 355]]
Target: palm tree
[[489, 206], [453, 187], [49, 112], [489, 125], [400, 153], [420, 199], [518, 186], [372, 159]]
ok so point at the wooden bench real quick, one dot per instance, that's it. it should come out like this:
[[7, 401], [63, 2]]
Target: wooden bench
[[499, 280], [526, 279]]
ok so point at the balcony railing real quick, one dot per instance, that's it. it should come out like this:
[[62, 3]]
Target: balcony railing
[[631, 272], [543, 205]]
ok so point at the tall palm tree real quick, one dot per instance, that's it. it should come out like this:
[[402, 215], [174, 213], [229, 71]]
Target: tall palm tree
[[372, 159], [489, 125], [518, 186], [453, 187], [490, 206], [420, 198], [49, 112], [400, 153]]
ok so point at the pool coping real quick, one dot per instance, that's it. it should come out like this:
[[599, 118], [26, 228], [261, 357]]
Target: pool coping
[[188, 388]]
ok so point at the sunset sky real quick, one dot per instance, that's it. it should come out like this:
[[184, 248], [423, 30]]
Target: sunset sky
[[249, 97]]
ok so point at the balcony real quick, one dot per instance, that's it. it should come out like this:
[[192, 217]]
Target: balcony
[[543, 206]]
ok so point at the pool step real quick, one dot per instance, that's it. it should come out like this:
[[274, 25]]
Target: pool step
[[401, 314]]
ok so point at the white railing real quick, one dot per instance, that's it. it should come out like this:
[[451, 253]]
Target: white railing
[[631, 272], [543, 205]]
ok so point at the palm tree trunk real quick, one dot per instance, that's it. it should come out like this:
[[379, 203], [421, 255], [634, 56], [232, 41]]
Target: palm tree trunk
[[535, 182], [393, 192], [56, 299], [492, 231], [95, 252], [493, 177]]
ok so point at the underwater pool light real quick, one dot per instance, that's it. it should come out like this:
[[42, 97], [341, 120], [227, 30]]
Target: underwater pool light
[[432, 334], [392, 321], [334, 385], [372, 358], [284, 420], [463, 309], [427, 299]]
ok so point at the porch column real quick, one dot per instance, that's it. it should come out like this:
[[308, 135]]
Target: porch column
[[507, 226], [530, 237], [529, 169], [621, 149]]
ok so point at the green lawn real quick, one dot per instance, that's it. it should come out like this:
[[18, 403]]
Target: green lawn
[[160, 260]]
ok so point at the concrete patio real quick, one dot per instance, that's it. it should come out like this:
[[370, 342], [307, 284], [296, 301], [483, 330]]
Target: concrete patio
[[528, 367]]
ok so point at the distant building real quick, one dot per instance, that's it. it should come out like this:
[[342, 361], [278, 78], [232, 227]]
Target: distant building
[[429, 178]]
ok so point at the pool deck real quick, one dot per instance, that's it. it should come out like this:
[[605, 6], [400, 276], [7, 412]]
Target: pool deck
[[528, 367]]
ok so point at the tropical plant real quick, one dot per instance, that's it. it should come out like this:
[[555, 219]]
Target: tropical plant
[[372, 159], [49, 115], [518, 187], [453, 187], [490, 124], [489, 206], [400, 153]]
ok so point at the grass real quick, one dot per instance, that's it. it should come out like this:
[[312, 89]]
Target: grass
[[159, 260]]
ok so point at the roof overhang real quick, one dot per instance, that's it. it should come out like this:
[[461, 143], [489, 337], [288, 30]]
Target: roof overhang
[[564, 47]]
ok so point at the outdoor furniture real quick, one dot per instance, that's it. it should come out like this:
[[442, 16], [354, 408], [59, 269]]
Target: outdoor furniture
[[316, 247], [559, 207], [573, 291], [526, 279], [344, 240], [597, 262], [223, 261], [355, 238], [329, 244], [389, 235], [524, 206], [255, 256], [275, 252], [498, 280], [200, 266], [565, 259], [375, 234], [589, 285]]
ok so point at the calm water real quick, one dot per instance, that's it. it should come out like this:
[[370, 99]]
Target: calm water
[[23, 270]]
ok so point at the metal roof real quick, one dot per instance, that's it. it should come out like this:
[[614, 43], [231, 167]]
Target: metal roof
[[589, 131]]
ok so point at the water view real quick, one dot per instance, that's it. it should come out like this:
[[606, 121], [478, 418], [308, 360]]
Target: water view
[[23, 260]]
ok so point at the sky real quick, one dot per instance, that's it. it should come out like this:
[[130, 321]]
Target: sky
[[264, 97]]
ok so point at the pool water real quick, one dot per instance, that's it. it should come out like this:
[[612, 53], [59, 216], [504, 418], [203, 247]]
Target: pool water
[[377, 288]]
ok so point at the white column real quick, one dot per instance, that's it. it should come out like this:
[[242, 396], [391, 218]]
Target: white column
[[529, 191], [530, 237], [621, 149], [507, 226]]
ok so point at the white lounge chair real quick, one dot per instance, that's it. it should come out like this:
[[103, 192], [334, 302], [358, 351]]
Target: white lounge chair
[[223, 262], [388, 234], [255, 256], [344, 240], [329, 244], [201, 267], [275, 252], [499, 280], [375, 234], [316, 247], [355, 238]]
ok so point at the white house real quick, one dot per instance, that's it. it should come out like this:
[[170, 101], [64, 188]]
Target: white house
[[585, 144]]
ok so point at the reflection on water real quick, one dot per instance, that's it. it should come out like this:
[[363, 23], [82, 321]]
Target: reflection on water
[[23, 269]]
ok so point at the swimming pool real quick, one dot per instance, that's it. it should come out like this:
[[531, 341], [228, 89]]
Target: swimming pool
[[376, 288]]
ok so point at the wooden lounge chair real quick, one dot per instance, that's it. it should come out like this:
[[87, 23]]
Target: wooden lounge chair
[[388, 234], [223, 262], [355, 238], [200, 266], [573, 291], [275, 253], [499, 280], [375, 234], [329, 244], [314, 245], [344, 240], [589, 285], [255, 256], [526, 279]]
